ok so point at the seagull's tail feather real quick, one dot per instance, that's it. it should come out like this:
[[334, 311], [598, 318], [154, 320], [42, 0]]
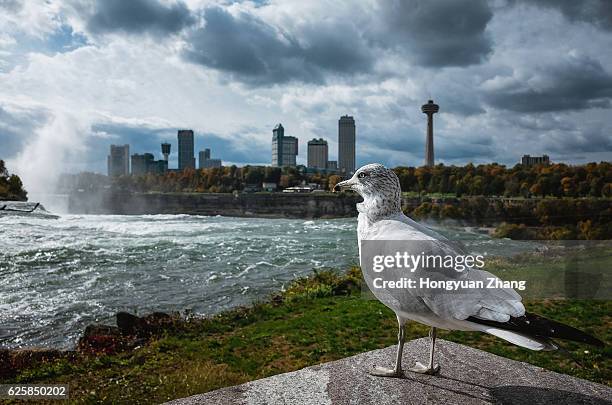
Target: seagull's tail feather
[[530, 342], [535, 331]]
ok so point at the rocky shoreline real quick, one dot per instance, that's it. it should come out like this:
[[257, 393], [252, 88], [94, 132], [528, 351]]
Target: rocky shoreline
[[129, 333], [321, 318]]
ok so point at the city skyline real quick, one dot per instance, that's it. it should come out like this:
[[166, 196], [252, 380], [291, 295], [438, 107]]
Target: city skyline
[[80, 75], [121, 163]]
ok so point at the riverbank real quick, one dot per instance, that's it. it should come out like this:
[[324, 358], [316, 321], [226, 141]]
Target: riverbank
[[317, 319], [262, 205], [564, 218]]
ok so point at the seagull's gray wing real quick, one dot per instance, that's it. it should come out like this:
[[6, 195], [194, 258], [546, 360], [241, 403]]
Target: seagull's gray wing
[[492, 304]]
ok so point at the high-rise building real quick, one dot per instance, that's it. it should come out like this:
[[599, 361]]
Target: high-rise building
[[528, 160], [186, 157], [290, 150], [205, 162], [430, 109], [146, 163], [317, 153], [158, 167], [346, 144], [118, 161], [142, 163], [284, 148], [332, 165], [278, 133], [165, 150]]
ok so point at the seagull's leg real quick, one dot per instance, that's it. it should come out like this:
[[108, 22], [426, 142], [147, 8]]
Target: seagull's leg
[[397, 370], [431, 369]]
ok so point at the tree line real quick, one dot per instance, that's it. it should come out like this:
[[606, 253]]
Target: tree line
[[11, 187], [550, 219], [554, 180]]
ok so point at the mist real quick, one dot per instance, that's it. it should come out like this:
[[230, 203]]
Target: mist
[[49, 153]]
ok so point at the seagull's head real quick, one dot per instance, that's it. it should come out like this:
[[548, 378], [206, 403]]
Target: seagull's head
[[379, 187]]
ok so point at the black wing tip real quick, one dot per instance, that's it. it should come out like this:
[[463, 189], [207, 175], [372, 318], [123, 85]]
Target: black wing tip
[[595, 342], [562, 331], [538, 326]]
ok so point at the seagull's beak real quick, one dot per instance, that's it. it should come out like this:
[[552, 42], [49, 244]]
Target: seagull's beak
[[344, 185]]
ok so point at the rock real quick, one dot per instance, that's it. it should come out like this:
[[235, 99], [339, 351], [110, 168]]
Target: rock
[[6, 370], [14, 360], [127, 323], [145, 327], [131, 331], [101, 339], [468, 376], [155, 324]]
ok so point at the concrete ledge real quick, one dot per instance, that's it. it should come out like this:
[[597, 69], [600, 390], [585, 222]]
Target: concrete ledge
[[468, 376]]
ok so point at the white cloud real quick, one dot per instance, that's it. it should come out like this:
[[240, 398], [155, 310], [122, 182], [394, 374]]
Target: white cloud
[[140, 81]]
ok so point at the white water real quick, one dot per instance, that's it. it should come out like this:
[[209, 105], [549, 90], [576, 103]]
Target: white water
[[57, 276]]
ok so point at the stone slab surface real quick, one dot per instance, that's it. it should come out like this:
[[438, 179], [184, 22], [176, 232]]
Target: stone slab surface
[[468, 376]]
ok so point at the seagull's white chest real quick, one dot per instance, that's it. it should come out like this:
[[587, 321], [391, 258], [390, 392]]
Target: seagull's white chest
[[364, 226]]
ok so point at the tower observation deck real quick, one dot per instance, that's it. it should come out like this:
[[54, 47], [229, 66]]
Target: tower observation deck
[[430, 109]]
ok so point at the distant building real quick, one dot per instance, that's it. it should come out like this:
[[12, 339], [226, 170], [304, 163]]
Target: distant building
[[278, 133], [269, 186], [346, 144], [284, 148], [528, 160], [205, 162], [317, 153], [298, 189], [158, 167], [290, 151], [186, 157], [205, 154], [165, 150], [332, 165], [141, 163], [210, 163], [146, 163], [202, 156], [118, 161], [251, 188]]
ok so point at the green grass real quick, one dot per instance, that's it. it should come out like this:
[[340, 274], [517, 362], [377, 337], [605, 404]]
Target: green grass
[[318, 319]]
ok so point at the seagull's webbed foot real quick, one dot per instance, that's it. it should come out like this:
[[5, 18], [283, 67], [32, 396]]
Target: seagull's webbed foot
[[385, 372], [431, 369], [422, 369], [396, 371]]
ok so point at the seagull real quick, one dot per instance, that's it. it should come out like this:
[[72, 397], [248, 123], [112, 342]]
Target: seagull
[[497, 311]]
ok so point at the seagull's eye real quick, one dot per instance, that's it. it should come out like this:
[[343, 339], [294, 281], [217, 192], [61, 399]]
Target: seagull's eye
[[362, 175]]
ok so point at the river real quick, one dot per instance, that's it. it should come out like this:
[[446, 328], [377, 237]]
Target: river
[[59, 275]]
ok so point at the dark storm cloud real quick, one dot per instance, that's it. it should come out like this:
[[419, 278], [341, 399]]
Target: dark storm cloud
[[16, 128], [585, 141], [255, 52], [575, 84], [412, 141], [596, 12], [139, 16], [438, 33]]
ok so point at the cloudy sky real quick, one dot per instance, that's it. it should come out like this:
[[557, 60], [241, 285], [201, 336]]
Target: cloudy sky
[[511, 77]]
